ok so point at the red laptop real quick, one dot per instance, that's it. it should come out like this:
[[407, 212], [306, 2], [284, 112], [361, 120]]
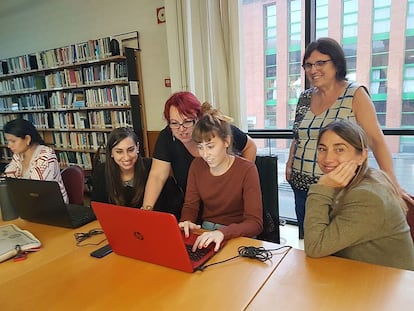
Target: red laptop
[[149, 236]]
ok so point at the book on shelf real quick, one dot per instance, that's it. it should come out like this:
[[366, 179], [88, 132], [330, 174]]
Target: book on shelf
[[13, 239], [78, 99]]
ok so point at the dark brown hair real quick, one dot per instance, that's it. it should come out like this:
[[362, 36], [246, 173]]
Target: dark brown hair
[[330, 47], [114, 182]]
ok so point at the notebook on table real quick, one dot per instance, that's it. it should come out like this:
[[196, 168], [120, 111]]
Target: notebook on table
[[41, 201], [149, 236]]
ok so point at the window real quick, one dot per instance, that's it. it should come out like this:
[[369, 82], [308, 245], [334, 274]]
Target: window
[[274, 78], [380, 53], [321, 22], [294, 58], [350, 19], [270, 65]]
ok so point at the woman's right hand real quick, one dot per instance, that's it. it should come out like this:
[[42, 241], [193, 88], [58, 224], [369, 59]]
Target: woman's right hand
[[187, 226], [341, 176]]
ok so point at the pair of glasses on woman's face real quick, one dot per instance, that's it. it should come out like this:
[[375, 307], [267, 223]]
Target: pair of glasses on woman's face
[[318, 64], [185, 124]]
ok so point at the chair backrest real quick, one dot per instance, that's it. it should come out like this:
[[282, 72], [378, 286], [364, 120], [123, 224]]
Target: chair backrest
[[74, 181], [267, 169], [410, 219]]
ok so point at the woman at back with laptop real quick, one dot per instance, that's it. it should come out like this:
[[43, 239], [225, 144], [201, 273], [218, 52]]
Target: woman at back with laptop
[[121, 179], [226, 185], [31, 158]]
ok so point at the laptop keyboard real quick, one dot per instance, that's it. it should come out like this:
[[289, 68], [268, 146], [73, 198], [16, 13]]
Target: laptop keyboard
[[80, 215], [198, 254]]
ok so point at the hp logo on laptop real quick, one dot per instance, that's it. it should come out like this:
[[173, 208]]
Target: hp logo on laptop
[[138, 235]]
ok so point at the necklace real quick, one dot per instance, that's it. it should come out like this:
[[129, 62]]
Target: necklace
[[129, 183]]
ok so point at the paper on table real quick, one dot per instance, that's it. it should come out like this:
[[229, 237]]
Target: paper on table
[[11, 237]]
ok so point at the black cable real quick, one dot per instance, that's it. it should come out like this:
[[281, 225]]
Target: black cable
[[202, 268], [82, 236], [259, 253]]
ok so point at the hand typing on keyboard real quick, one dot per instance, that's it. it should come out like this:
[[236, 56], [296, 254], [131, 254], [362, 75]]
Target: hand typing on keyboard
[[205, 239], [187, 226], [208, 237]]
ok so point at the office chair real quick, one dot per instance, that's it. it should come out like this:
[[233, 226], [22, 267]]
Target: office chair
[[74, 181], [267, 169], [410, 219]]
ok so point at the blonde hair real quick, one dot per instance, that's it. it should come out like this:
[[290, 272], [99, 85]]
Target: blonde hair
[[212, 124]]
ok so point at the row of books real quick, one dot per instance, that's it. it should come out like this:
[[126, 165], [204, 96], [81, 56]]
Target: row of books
[[18, 64], [67, 158], [110, 72], [117, 95], [63, 78], [39, 120], [81, 52], [22, 84], [80, 140], [102, 119], [24, 102], [62, 100], [106, 73]]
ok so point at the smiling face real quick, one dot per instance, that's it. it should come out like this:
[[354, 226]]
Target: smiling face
[[320, 75], [185, 125], [17, 144], [334, 150], [214, 151], [125, 154]]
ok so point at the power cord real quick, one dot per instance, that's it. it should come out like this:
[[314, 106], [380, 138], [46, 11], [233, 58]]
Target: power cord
[[82, 236], [259, 253]]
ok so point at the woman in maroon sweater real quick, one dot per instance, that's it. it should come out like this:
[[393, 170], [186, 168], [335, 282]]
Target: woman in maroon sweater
[[227, 186]]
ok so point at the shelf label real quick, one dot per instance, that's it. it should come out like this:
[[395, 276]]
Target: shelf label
[[133, 87]]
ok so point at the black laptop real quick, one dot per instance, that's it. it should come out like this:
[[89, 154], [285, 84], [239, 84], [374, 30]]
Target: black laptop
[[41, 201]]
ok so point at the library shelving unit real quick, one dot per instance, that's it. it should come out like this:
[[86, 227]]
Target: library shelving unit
[[74, 95]]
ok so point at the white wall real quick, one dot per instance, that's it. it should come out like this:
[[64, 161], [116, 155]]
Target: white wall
[[28, 26]]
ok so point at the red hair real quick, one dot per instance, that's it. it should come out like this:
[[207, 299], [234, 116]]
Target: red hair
[[186, 103]]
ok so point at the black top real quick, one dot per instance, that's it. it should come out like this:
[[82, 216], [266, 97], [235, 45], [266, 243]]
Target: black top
[[170, 199], [173, 151]]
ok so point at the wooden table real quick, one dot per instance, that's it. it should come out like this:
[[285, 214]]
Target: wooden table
[[334, 284], [56, 242], [63, 276]]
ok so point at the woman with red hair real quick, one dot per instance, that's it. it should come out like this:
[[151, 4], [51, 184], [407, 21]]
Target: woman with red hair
[[175, 149]]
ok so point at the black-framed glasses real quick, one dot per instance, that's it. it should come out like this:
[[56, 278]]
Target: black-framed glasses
[[318, 64], [185, 124]]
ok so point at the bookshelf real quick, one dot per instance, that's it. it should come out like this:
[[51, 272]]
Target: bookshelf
[[75, 95]]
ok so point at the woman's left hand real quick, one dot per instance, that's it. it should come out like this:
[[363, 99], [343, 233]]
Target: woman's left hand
[[208, 237], [407, 197]]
